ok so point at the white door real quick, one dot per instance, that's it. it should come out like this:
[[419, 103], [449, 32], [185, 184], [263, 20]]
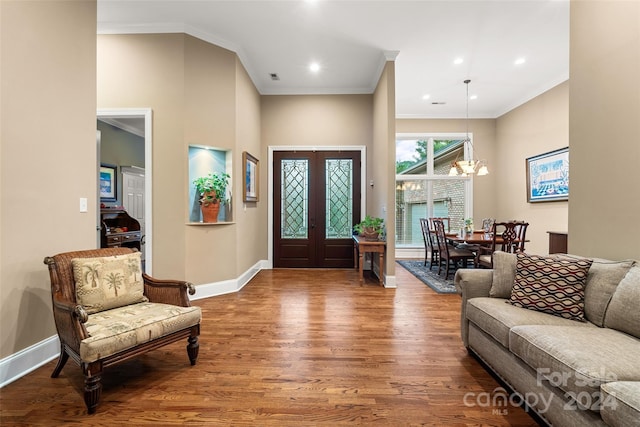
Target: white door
[[133, 196]]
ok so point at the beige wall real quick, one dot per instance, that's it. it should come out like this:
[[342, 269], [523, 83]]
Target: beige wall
[[604, 124], [538, 126], [252, 235], [200, 95], [381, 164], [147, 71], [48, 155]]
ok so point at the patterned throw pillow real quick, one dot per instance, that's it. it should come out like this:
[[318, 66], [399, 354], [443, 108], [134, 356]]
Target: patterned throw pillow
[[550, 285], [108, 282]]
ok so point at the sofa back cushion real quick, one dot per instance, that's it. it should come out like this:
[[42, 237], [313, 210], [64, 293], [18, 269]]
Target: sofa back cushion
[[104, 283], [602, 281], [504, 273], [550, 285], [623, 312]]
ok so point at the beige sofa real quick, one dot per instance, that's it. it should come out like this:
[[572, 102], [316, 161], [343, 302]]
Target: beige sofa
[[569, 372]]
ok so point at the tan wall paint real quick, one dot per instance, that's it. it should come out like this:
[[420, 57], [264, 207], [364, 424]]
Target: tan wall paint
[[210, 119], [604, 123], [538, 126], [381, 160], [484, 135], [316, 120], [251, 217], [47, 160], [147, 71], [194, 89]]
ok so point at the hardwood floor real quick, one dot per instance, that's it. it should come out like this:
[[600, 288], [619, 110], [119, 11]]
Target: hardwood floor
[[294, 347]]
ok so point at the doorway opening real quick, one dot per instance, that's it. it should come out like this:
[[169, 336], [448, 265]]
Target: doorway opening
[[137, 122]]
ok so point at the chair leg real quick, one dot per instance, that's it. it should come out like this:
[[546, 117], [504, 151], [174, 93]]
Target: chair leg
[[92, 385], [62, 360], [192, 348]]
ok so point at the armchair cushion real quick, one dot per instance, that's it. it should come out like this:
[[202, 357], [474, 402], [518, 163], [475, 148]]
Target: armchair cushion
[[550, 285], [104, 283], [118, 329]]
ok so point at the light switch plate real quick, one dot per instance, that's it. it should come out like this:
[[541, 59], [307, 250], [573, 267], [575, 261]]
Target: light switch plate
[[84, 207]]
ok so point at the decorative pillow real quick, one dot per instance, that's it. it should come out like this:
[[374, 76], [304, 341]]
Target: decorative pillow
[[550, 285], [108, 282], [623, 313], [504, 273]]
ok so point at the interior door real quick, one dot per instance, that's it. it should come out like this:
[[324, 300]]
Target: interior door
[[133, 191], [316, 203]]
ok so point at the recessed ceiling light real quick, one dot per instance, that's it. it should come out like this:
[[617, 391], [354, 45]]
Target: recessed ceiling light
[[472, 97], [458, 61], [314, 67], [426, 96], [520, 61]]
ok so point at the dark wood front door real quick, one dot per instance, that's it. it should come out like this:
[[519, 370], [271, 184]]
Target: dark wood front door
[[316, 202]]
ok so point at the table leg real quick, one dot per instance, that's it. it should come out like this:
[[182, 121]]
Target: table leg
[[360, 265], [382, 268]]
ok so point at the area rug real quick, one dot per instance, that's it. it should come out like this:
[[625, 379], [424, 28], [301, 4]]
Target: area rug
[[429, 278]]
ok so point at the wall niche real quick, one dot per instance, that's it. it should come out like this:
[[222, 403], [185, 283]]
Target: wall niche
[[204, 160]]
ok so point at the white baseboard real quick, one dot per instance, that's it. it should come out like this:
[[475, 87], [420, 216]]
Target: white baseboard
[[228, 286], [19, 364]]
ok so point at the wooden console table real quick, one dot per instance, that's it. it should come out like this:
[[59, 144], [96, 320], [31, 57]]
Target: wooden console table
[[362, 246]]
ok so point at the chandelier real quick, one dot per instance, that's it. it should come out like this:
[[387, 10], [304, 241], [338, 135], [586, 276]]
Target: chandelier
[[468, 167]]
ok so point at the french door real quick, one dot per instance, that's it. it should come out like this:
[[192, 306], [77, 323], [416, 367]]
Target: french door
[[316, 202]]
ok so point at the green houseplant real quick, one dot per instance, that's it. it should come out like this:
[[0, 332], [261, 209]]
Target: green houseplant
[[212, 190], [370, 227]]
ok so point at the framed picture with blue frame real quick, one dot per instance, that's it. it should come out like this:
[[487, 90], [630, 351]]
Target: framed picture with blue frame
[[548, 176]]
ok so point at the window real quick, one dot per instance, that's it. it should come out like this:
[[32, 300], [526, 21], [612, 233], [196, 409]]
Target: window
[[424, 188]]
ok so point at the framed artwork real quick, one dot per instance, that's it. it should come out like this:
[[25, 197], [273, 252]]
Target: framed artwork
[[250, 173], [548, 176], [108, 183]]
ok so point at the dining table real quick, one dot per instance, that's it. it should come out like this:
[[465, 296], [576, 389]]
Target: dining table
[[477, 237]]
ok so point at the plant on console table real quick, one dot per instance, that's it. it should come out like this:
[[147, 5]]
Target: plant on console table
[[212, 190], [370, 227]]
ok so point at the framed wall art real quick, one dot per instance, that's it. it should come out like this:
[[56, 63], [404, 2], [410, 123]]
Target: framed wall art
[[250, 172], [108, 183], [548, 176]]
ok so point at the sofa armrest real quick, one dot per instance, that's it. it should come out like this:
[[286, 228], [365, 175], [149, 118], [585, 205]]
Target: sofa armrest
[[471, 283], [168, 291]]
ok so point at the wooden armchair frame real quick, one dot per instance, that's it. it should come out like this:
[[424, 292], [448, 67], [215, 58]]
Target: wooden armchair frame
[[70, 319]]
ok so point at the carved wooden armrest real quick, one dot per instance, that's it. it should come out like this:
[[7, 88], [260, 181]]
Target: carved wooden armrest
[[168, 291]]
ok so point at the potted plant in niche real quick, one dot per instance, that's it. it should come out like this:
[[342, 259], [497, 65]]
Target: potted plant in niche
[[212, 190], [370, 227]]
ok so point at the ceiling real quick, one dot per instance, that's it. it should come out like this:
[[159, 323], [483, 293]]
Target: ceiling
[[351, 39]]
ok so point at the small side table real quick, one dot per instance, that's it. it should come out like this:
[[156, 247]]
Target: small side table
[[362, 246]]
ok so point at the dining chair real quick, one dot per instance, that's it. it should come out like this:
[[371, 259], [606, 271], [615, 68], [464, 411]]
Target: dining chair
[[446, 221], [430, 248], [505, 238], [447, 253], [521, 229]]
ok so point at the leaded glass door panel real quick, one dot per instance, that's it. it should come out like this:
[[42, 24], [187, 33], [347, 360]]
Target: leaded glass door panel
[[316, 203]]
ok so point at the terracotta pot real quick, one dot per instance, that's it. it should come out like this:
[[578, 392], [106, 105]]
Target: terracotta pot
[[369, 234], [210, 211]]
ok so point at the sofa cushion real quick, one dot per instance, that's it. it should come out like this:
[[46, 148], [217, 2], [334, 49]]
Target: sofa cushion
[[602, 280], [495, 317], [550, 285], [103, 283], [504, 273], [623, 313], [577, 360], [118, 329], [621, 403]]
